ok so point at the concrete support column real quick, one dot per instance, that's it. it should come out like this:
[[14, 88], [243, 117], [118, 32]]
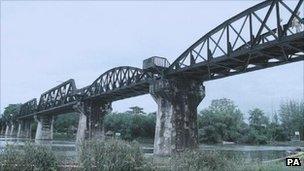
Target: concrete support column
[[7, 130], [28, 129], [24, 129], [163, 128], [12, 130], [2, 130], [44, 128], [187, 95], [182, 96], [97, 112], [20, 124], [82, 123]]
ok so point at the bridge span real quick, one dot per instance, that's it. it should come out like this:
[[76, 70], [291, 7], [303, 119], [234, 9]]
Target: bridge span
[[268, 34]]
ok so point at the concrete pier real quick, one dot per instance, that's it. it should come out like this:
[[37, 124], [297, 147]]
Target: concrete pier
[[186, 97], [163, 128], [7, 130], [24, 129], [45, 126], [82, 123], [2, 131], [178, 100], [19, 130], [96, 117], [12, 130]]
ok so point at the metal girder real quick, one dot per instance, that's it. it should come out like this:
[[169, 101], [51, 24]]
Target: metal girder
[[28, 107], [116, 80], [246, 33], [57, 96]]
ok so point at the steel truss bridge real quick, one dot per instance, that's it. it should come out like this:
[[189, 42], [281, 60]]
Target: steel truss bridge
[[268, 34]]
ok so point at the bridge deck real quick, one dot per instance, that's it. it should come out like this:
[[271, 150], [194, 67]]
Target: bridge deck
[[238, 61], [137, 89], [66, 108]]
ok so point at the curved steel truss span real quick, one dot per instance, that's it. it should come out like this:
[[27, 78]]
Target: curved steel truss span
[[116, 83], [264, 35]]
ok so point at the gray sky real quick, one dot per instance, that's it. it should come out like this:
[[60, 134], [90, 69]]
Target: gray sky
[[45, 43]]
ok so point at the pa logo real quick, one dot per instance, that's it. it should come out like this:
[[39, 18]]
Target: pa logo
[[293, 162]]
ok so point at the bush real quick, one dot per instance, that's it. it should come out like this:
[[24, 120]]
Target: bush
[[254, 137], [28, 157], [131, 126], [111, 155], [202, 160]]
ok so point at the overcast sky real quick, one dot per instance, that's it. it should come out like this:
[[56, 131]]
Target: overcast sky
[[46, 43]]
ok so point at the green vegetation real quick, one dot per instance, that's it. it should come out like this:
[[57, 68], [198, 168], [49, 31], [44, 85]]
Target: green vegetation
[[65, 126], [111, 155], [131, 126], [202, 160], [223, 121], [9, 115], [29, 157], [193, 160], [220, 121], [292, 117], [121, 155]]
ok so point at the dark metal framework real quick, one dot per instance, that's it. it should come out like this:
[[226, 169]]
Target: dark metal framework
[[57, 96], [262, 36], [119, 83], [28, 107], [259, 37]]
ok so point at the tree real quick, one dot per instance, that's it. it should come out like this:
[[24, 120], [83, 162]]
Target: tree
[[65, 123], [135, 110], [2, 124], [10, 113], [258, 124], [275, 130], [131, 126], [257, 119], [292, 117], [221, 121]]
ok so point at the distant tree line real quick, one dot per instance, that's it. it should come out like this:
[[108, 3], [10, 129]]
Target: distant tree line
[[221, 121]]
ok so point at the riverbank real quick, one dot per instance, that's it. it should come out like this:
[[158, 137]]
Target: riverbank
[[286, 143], [168, 164], [133, 154]]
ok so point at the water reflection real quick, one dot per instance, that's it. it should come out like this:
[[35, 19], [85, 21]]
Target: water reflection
[[251, 153]]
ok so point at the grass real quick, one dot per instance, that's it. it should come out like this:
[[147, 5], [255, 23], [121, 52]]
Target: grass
[[121, 155], [214, 161], [111, 155], [28, 157]]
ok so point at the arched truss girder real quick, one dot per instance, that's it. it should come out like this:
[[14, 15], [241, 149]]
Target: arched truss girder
[[28, 107], [117, 78], [58, 96], [248, 32]]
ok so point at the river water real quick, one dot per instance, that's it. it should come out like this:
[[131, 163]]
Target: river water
[[66, 149]]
